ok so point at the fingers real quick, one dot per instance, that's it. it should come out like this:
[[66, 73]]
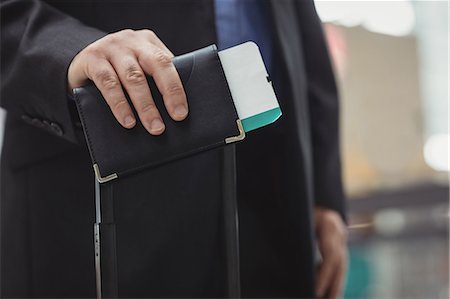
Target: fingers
[[120, 61], [134, 81], [331, 277], [331, 237], [107, 81], [158, 63], [324, 277], [338, 281]]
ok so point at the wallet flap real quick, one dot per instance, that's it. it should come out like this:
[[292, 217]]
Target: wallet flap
[[212, 121]]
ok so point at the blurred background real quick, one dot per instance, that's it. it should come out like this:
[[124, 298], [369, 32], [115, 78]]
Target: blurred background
[[391, 61]]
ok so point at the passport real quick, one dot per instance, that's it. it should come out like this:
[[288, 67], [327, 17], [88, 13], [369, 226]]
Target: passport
[[226, 99]]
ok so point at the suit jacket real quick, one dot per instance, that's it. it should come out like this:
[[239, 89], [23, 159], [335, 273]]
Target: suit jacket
[[170, 216]]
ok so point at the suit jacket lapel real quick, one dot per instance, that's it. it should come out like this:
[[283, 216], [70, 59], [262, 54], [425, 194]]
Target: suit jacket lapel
[[288, 37]]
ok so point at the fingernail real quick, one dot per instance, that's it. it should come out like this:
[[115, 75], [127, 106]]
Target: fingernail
[[129, 121], [181, 111], [157, 126]]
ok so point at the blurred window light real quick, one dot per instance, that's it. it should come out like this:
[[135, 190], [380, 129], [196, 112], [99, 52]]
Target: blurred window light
[[389, 222], [436, 151], [432, 39], [394, 17]]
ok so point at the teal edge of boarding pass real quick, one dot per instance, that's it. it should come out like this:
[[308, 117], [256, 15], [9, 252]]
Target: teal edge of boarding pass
[[260, 120]]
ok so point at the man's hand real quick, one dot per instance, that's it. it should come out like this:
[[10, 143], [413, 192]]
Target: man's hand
[[122, 59], [332, 238]]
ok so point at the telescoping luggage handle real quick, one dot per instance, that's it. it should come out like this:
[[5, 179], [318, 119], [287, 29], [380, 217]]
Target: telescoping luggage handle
[[105, 242], [212, 122], [105, 233]]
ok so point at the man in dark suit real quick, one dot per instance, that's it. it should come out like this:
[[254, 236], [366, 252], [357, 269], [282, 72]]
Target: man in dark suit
[[289, 186]]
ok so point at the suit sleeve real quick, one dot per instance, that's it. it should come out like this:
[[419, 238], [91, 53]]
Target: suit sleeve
[[323, 103], [38, 44]]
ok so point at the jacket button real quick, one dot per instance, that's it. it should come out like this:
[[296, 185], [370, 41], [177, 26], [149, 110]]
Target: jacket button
[[37, 123], [26, 118], [57, 129], [47, 124]]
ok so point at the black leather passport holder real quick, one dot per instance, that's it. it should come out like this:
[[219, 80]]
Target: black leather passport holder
[[212, 121]]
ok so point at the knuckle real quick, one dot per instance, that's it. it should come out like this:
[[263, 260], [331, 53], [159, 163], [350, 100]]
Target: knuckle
[[118, 36], [94, 49], [162, 58], [119, 104], [135, 76], [107, 79], [125, 32], [174, 89], [111, 38], [147, 106], [149, 33]]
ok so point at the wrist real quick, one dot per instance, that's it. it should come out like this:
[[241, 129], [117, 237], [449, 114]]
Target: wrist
[[329, 220]]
